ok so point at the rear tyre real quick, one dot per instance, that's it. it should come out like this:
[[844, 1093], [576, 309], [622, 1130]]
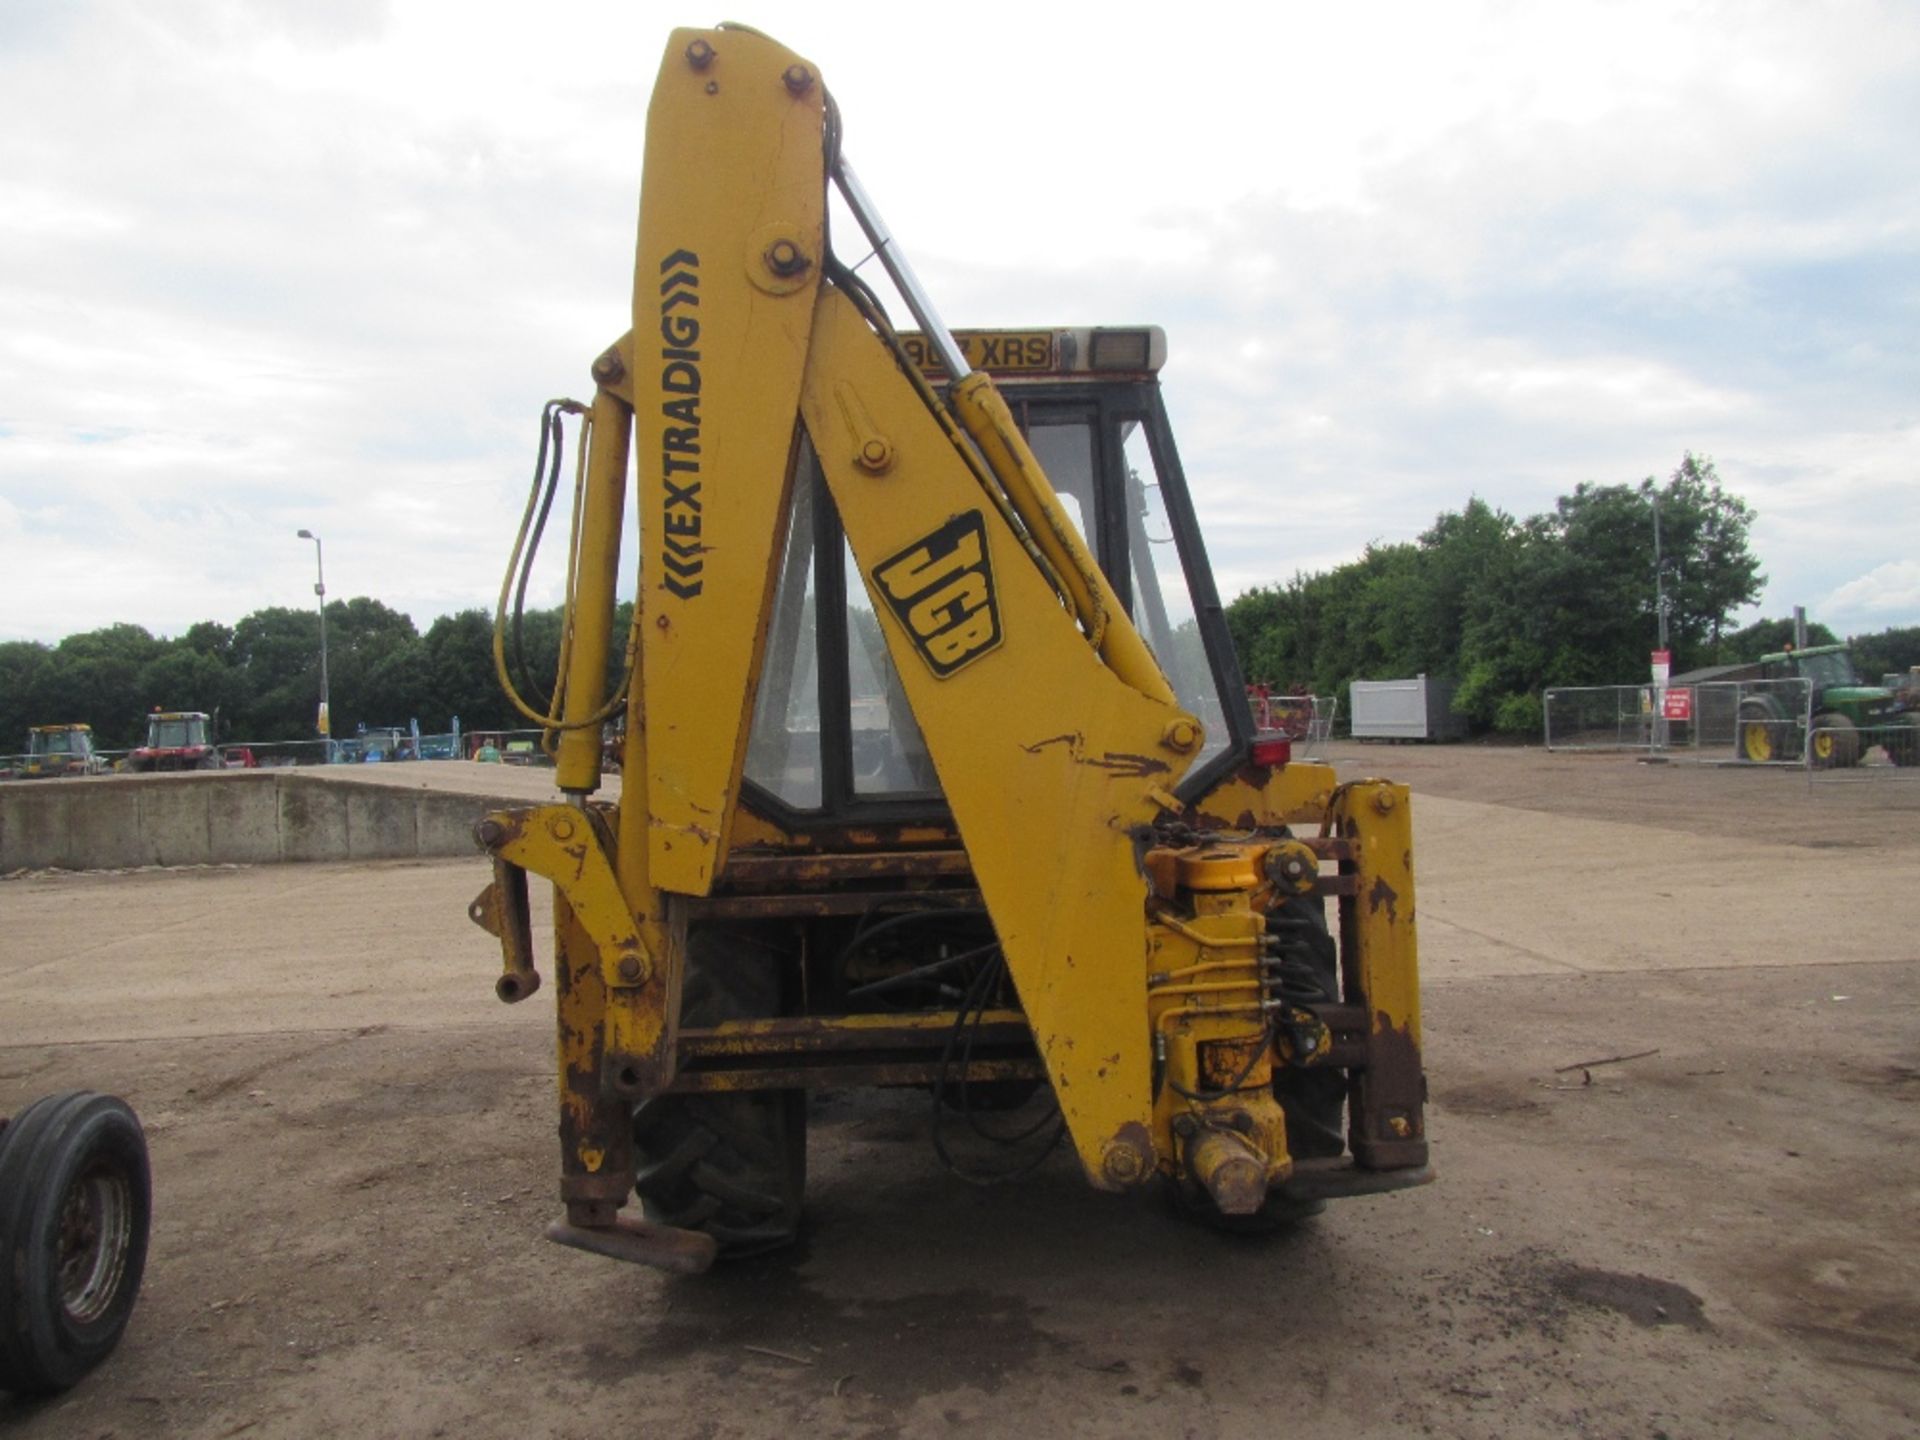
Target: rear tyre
[[1834, 742], [1763, 736], [1314, 1098], [732, 1165], [76, 1202]]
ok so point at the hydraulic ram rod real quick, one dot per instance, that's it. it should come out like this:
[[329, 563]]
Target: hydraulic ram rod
[[901, 273], [984, 416]]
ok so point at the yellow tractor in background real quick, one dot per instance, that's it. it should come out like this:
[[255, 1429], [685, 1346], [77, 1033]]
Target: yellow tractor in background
[[61, 750], [938, 767]]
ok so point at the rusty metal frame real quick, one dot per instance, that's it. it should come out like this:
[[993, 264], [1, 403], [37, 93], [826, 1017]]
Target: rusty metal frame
[[822, 1051], [1380, 975]]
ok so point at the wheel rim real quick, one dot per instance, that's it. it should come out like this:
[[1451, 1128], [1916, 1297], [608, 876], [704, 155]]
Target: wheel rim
[[96, 1232], [1823, 746], [1759, 741]]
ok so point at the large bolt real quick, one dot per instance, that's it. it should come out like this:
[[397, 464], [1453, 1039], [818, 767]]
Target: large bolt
[[608, 369], [1123, 1162], [699, 54], [631, 970], [799, 79], [560, 827], [875, 455], [489, 833], [786, 259], [1181, 735], [1383, 801]]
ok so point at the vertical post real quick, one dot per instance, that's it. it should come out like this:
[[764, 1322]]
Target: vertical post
[[1659, 575], [1381, 971], [325, 725], [1660, 615], [596, 1127]]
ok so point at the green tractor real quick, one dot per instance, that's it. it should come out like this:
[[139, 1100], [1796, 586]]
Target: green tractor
[[1848, 718]]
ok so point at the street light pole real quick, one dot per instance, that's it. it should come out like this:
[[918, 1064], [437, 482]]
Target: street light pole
[[320, 589], [1660, 609], [1659, 574]]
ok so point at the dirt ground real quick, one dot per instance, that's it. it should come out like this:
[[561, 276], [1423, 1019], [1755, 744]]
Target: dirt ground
[[352, 1144]]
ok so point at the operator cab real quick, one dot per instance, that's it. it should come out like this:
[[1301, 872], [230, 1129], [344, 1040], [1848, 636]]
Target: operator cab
[[833, 737]]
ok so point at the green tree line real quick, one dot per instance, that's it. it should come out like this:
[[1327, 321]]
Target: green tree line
[[1509, 607], [262, 675], [1506, 607]]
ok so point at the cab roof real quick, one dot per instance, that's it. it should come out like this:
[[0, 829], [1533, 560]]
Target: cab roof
[[1067, 352], [1805, 650]]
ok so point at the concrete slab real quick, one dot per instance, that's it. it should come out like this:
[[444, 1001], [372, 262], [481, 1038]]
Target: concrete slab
[[372, 812], [173, 824], [312, 819], [243, 813], [36, 828], [444, 823], [103, 826], [380, 824], [512, 784]]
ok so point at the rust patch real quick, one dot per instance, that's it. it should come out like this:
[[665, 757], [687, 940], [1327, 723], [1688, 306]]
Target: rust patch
[[1222, 1062], [1384, 894], [1387, 1122], [821, 867], [1118, 763]]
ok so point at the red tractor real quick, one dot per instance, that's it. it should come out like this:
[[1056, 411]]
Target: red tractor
[[177, 740]]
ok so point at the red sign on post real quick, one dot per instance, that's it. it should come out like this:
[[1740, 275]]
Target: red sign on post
[[1676, 704]]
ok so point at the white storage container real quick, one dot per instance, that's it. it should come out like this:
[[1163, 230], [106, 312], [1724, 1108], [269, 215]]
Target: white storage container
[[1416, 709]]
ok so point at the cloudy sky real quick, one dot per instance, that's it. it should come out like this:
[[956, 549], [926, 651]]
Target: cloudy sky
[[277, 264]]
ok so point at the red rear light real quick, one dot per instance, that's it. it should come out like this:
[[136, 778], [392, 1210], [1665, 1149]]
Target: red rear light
[[1272, 750]]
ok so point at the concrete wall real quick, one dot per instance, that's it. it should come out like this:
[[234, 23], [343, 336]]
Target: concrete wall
[[230, 817]]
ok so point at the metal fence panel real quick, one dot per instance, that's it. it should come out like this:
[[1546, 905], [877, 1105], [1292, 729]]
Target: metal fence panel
[[1599, 717], [1306, 718], [512, 747], [1758, 722], [1865, 752]]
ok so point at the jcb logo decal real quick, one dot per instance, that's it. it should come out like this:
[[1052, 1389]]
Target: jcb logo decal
[[941, 589]]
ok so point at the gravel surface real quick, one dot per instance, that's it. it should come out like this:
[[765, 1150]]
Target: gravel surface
[[353, 1155]]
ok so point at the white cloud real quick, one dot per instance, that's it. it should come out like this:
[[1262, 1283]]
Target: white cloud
[[273, 265], [1890, 590]]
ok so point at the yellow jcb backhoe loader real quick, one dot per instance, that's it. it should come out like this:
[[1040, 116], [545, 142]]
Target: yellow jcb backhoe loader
[[937, 765]]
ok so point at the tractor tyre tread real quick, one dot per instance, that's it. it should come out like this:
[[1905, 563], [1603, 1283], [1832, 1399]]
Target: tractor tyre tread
[[1843, 741], [1314, 1099], [729, 1164], [49, 1148]]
